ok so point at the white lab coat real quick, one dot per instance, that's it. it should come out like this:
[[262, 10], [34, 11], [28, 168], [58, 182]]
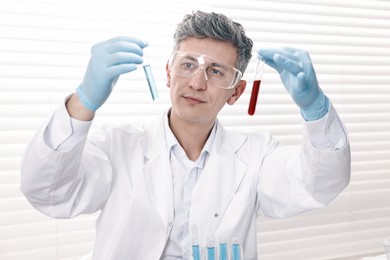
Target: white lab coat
[[126, 173]]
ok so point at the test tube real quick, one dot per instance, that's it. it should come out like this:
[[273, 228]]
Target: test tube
[[210, 249], [195, 252], [149, 75], [256, 87], [236, 252], [223, 251], [195, 243]]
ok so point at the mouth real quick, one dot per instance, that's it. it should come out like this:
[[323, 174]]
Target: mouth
[[194, 100]]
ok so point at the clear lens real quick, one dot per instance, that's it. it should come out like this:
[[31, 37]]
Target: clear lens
[[217, 73]]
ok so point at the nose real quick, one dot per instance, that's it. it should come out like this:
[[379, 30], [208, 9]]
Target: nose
[[199, 80]]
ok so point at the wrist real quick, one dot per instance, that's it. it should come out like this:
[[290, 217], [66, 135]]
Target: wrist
[[318, 110], [85, 101], [77, 110]]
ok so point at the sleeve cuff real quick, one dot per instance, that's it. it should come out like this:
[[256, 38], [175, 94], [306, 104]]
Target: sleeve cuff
[[328, 132], [63, 132]]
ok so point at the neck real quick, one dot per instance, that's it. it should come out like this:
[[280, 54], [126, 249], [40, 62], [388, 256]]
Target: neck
[[192, 137]]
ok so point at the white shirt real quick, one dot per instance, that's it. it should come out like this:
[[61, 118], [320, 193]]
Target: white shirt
[[185, 175]]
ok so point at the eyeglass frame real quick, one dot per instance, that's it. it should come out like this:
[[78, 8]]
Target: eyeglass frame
[[236, 78]]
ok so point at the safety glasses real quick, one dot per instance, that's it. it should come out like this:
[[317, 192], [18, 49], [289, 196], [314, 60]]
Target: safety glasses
[[217, 73]]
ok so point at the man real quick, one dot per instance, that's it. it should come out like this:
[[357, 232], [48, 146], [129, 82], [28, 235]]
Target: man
[[184, 178]]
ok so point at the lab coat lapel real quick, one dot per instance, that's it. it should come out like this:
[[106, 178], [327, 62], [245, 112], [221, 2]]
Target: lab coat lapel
[[157, 170], [219, 181]]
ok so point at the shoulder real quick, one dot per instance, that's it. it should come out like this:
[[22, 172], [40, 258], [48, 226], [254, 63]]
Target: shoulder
[[118, 129], [136, 129], [131, 132], [253, 137], [116, 133], [243, 141]]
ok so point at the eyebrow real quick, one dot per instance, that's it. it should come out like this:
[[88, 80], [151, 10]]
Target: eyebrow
[[187, 56], [220, 65], [214, 64]]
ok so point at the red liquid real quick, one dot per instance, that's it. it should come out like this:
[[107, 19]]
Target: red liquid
[[253, 100]]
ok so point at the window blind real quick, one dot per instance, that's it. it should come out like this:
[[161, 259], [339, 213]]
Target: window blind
[[44, 50]]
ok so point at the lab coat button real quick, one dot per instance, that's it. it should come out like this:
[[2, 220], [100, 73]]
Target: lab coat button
[[170, 224]]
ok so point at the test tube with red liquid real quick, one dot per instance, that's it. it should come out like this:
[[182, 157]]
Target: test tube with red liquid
[[256, 87]]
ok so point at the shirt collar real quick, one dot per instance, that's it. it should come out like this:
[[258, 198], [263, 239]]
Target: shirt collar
[[172, 141]]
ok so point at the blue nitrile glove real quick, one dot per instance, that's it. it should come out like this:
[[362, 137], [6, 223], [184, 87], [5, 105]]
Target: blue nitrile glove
[[299, 78], [109, 59]]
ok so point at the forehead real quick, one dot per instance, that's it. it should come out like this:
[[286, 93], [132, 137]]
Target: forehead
[[219, 50]]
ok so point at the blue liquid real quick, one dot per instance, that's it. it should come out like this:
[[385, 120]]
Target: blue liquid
[[195, 252], [223, 252], [210, 253], [235, 252], [152, 84]]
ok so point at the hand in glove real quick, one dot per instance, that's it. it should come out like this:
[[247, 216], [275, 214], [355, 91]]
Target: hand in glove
[[298, 76], [109, 59]]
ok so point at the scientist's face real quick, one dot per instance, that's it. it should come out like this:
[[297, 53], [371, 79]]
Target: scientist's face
[[195, 99]]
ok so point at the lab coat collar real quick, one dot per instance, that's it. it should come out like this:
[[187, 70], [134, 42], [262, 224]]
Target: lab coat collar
[[155, 141], [174, 146], [158, 172], [220, 179]]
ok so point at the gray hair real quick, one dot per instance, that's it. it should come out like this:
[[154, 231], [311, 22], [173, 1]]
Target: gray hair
[[218, 27]]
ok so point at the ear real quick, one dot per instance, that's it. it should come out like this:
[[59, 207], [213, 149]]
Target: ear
[[168, 75], [238, 90]]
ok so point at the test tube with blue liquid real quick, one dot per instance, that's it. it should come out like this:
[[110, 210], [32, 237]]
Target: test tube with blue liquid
[[210, 249], [195, 252], [236, 250], [149, 75], [195, 243], [223, 250]]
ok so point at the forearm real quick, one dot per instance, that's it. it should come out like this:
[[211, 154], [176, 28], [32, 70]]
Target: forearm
[[62, 132], [327, 155], [294, 180], [65, 184], [43, 171], [327, 133], [53, 176]]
